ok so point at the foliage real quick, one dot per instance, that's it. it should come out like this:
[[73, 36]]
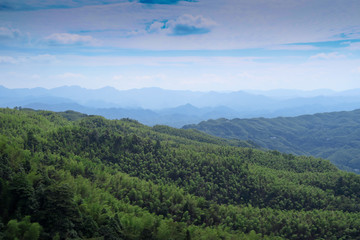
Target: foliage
[[333, 136], [85, 177]]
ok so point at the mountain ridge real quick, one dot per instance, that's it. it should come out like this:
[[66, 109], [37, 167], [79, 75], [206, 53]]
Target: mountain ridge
[[331, 135], [153, 106]]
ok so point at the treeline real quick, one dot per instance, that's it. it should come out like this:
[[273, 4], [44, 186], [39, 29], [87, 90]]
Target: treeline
[[98, 179]]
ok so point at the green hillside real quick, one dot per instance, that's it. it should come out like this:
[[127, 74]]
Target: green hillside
[[71, 176], [334, 136]]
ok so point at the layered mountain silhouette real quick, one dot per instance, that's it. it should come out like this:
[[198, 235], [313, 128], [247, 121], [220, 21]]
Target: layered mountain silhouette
[[153, 106]]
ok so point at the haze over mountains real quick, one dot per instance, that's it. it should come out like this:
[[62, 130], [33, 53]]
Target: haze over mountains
[[176, 108]]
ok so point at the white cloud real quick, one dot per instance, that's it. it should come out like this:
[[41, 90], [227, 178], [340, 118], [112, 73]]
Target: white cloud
[[328, 56], [239, 24], [196, 21], [233, 24], [156, 27], [184, 25], [70, 39]]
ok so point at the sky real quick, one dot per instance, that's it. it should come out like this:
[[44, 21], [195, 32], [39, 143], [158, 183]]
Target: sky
[[198, 45]]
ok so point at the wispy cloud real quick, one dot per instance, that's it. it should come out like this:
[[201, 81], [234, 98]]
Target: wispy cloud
[[293, 47], [328, 56], [94, 40], [184, 25], [70, 39], [157, 26], [29, 5], [351, 32], [35, 76], [8, 59], [354, 46], [164, 1], [188, 24], [44, 58], [9, 33]]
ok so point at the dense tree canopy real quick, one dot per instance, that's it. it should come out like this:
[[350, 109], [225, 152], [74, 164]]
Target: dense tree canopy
[[334, 136], [71, 176]]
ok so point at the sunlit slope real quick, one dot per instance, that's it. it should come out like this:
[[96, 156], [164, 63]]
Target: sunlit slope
[[80, 176]]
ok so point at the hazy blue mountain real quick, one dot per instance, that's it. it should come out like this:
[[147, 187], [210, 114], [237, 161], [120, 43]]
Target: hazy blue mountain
[[291, 93], [145, 116], [351, 92], [21, 97], [334, 136], [205, 112], [176, 108], [156, 98], [59, 107], [176, 117], [150, 98]]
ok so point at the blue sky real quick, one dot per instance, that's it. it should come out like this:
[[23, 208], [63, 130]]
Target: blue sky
[[221, 45]]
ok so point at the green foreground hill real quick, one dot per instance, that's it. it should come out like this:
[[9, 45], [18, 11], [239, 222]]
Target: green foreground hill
[[72, 176], [334, 136]]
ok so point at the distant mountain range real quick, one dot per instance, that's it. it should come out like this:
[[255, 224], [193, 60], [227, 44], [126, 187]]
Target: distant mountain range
[[177, 108], [334, 136]]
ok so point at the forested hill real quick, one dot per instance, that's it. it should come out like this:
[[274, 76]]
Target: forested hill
[[333, 136], [72, 176]]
